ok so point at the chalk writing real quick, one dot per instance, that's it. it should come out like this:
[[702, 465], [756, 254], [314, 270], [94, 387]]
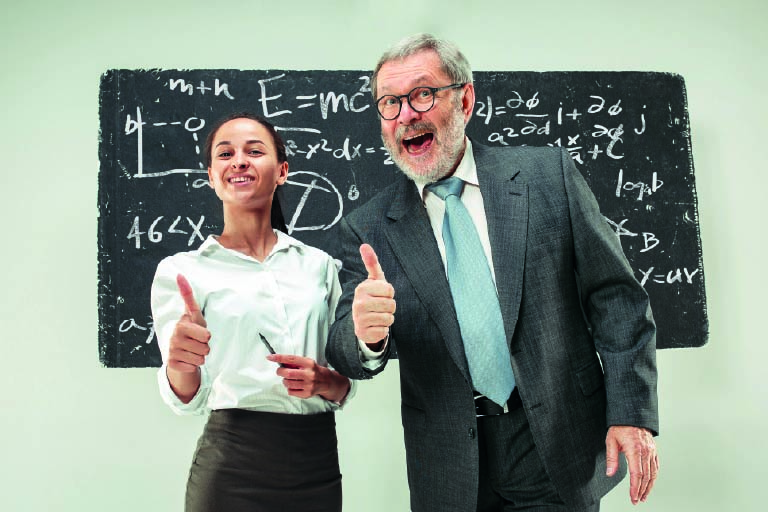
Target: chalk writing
[[650, 241], [155, 233], [642, 189], [296, 179], [676, 275], [347, 151], [486, 110], [531, 123], [126, 326], [136, 126], [184, 87]]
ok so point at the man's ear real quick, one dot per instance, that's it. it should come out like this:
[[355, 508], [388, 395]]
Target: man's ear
[[468, 102]]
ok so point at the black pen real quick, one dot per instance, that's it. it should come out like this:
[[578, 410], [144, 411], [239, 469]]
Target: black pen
[[269, 347]]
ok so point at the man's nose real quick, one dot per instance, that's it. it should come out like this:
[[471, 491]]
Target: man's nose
[[407, 114]]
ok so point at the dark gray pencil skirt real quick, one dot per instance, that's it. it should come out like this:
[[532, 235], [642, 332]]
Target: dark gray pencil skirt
[[265, 462]]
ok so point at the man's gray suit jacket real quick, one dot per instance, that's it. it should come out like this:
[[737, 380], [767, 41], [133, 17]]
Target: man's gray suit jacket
[[566, 292]]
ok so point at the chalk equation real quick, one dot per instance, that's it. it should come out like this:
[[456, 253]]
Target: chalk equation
[[602, 138]]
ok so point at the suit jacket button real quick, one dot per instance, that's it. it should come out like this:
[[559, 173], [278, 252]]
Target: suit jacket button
[[471, 433]]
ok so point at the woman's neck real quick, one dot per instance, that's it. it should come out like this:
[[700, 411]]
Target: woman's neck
[[248, 232]]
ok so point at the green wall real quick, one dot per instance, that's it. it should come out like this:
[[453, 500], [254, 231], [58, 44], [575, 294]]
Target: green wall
[[79, 437]]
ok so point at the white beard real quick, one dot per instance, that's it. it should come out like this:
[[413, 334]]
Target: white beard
[[449, 146]]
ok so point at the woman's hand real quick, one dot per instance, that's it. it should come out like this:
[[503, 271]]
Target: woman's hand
[[188, 346], [304, 378]]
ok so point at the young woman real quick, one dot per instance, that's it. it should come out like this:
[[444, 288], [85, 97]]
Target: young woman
[[270, 440]]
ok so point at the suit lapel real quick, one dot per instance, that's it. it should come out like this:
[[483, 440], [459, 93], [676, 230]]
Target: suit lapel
[[505, 199], [413, 243]]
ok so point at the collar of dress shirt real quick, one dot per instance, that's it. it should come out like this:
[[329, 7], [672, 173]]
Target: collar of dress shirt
[[467, 170], [284, 242]]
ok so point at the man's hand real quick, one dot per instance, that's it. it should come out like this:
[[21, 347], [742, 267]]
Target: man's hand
[[373, 309], [304, 378], [643, 461]]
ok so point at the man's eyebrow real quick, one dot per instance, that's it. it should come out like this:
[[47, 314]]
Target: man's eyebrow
[[418, 81]]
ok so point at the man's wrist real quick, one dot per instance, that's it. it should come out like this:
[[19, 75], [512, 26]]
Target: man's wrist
[[376, 347]]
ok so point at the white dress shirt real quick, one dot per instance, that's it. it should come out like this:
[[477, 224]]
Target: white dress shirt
[[290, 298], [473, 201]]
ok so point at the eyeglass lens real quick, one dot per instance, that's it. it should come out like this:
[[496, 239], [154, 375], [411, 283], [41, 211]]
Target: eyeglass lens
[[420, 99]]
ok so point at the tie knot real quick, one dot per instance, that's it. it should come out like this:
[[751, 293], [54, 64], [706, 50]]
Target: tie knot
[[448, 187]]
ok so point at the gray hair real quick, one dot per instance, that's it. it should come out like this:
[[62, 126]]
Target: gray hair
[[454, 63]]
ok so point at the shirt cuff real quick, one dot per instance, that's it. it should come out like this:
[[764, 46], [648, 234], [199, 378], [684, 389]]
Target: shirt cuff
[[350, 394], [198, 402], [371, 360], [367, 354]]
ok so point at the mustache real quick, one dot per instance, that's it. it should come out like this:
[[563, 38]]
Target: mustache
[[406, 131]]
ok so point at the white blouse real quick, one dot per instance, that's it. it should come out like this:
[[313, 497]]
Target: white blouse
[[290, 298]]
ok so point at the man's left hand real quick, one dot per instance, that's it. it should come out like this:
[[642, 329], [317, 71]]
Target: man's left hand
[[643, 461]]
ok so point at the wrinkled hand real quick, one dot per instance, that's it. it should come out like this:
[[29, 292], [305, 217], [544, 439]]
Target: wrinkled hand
[[304, 378], [643, 461], [189, 343], [373, 309]]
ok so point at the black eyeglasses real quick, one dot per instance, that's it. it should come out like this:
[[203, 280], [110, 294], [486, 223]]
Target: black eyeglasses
[[421, 99]]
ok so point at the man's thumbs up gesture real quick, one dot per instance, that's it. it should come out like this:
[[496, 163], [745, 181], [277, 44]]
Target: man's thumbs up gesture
[[373, 309]]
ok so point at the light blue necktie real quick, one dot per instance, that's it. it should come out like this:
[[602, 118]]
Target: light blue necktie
[[474, 296]]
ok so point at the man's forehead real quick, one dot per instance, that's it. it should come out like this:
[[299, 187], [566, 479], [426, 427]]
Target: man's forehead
[[423, 68]]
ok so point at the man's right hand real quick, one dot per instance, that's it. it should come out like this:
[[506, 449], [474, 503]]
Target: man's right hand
[[189, 342], [373, 309]]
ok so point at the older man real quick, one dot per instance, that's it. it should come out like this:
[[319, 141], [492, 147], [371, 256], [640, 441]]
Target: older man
[[499, 282]]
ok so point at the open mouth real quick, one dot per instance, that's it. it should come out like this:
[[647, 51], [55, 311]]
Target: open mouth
[[418, 144]]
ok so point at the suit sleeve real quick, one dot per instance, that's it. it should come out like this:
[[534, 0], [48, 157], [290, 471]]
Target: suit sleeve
[[616, 307], [342, 350]]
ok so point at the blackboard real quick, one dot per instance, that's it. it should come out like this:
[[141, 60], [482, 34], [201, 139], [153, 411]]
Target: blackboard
[[627, 131]]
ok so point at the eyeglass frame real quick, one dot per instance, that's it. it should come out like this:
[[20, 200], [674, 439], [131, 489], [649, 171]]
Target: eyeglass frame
[[407, 96]]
